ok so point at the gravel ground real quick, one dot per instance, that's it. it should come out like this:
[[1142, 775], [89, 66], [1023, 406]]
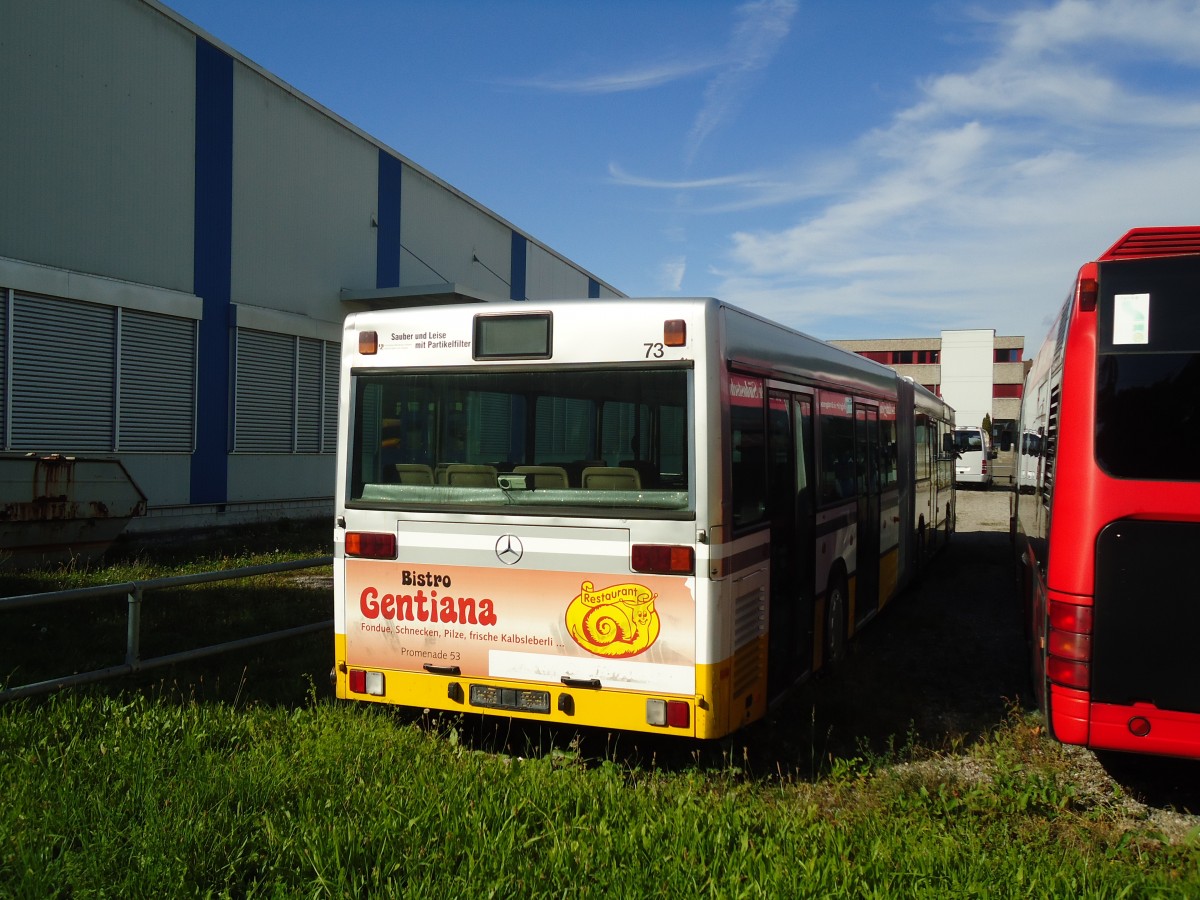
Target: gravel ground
[[945, 664]]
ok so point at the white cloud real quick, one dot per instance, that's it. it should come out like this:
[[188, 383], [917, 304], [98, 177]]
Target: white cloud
[[639, 78], [620, 176], [671, 273], [975, 206], [761, 29]]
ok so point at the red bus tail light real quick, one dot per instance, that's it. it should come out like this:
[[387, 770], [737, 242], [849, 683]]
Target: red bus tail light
[[363, 682], [1066, 645], [1069, 644], [669, 713], [1070, 617], [1068, 673], [662, 559], [371, 544], [1089, 290]]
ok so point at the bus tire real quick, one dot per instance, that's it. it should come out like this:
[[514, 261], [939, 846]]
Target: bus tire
[[836, 600]]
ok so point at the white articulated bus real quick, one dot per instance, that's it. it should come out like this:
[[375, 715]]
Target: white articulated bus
[[650, 515]]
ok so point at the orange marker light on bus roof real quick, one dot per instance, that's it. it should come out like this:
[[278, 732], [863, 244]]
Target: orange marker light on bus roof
[[368, 343], [674, 332]]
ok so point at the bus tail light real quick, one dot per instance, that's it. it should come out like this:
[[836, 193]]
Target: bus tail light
[[364, 682], [368, 343], [1069, 644], [669, 713], [662, 559], [674, 332], [1089, 289], [371, 544], [1071, 617], [1068, 673]]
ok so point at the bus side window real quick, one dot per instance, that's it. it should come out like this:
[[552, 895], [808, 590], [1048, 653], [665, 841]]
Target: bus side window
[[748, 463], [838, 467]]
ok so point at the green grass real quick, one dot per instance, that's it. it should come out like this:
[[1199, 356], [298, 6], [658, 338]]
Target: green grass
[[41, 643], [140, 796], [240, 776]]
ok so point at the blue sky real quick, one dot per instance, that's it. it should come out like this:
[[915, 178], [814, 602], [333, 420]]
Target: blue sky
[[853, 169]]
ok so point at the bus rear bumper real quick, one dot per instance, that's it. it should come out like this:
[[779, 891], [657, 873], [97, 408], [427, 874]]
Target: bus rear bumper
[[1069, 710], [582, 707], [1144, 728]]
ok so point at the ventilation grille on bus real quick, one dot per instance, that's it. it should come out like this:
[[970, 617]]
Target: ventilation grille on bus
[[749, 624], [1155, 242], [1050, 449]]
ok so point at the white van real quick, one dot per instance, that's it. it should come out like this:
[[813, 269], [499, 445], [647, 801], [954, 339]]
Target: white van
[[974, 451]]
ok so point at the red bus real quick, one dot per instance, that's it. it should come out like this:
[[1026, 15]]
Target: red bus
[[1106, 515]]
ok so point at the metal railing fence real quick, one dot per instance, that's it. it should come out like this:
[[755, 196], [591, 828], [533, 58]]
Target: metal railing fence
[[134, 591]]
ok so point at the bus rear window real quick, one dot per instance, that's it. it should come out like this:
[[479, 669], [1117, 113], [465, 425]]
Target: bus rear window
[[1148, 375], [538, 438]]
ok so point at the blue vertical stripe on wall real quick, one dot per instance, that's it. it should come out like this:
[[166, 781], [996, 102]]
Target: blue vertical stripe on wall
[[516, 289], [593, 289], [213, 261], [387, 237]]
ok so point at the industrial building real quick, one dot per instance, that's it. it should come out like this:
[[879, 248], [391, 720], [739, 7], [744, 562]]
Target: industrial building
[[974, 370], [182, 235]]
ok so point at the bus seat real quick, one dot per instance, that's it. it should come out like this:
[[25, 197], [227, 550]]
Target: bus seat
[[611, 478], [576, 467], [414, 473], [647, 471], [544, 477], [463, 475]]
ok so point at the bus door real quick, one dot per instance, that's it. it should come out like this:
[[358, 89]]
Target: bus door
[[793, 540], [866, 449]]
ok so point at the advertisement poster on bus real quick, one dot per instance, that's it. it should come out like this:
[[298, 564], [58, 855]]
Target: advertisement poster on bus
[[626, 630]]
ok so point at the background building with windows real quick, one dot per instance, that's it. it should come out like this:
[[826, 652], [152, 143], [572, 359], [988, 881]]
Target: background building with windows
[[976, 371], [182, 236]]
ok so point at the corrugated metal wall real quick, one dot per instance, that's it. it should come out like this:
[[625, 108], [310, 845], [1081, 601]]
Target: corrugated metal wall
[[304, 191], [97, 107], [444, 239]]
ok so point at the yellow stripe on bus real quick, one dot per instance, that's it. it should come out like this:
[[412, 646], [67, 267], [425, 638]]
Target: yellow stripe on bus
[[624, 710]]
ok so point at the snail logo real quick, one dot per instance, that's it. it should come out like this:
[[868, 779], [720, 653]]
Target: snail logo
[[618, 621]]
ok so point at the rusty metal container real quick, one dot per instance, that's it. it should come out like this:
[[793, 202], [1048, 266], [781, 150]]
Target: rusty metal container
[[56, 508]]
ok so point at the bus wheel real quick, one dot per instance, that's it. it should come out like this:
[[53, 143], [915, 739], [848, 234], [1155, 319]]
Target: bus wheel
[[836, 597]]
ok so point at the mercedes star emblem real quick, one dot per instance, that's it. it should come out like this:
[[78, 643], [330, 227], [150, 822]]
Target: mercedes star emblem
[[509, 550]]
